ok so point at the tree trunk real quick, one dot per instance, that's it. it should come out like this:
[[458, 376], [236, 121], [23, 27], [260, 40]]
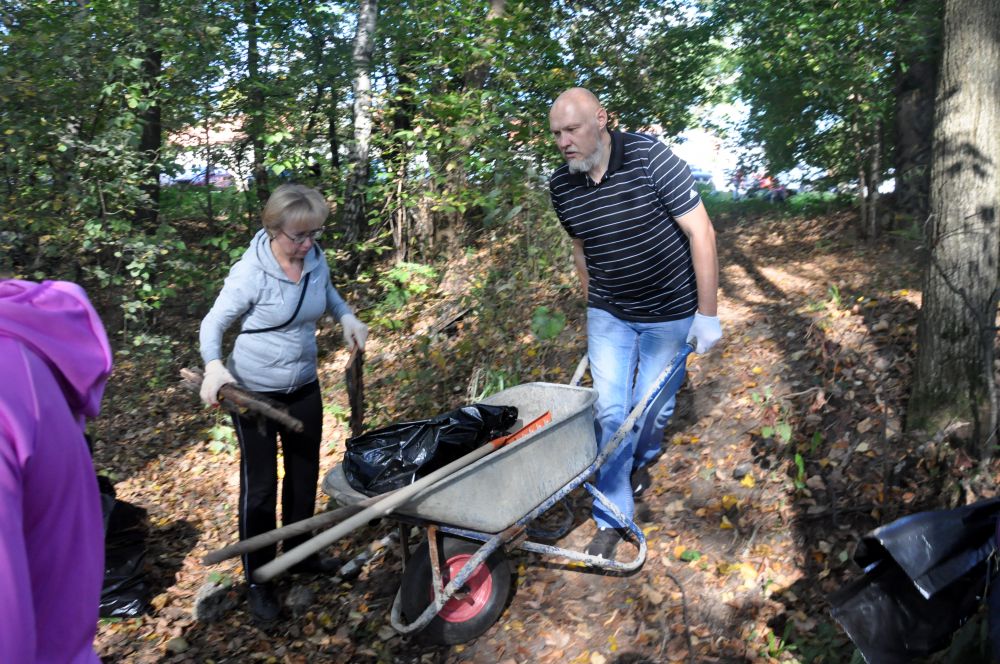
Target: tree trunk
[[255, 102], [914, 116], [954, 376], [151, 139], [874, 180], [331, 131], [354, 220], [862, 196], [396, 151], [914, 134], [474, 82], [209, 213], [323, 80]]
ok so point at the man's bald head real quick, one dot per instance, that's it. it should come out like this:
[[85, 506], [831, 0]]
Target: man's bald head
[[579, 126], [580, 98]]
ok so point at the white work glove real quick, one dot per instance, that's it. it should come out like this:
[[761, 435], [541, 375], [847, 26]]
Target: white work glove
[[216, 375], [355, 332], [705, 330]]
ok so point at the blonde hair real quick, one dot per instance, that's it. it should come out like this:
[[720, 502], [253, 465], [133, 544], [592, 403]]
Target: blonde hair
[[294, 202]]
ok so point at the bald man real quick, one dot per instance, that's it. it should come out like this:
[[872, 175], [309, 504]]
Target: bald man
[[644, 249]]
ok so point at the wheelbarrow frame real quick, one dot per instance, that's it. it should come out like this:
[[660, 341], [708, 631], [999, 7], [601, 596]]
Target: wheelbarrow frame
[[515, 536]]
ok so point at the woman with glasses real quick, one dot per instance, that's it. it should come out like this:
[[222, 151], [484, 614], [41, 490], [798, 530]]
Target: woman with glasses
[[277, 291]]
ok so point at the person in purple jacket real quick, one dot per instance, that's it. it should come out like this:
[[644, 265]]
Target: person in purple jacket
[[55, 360]]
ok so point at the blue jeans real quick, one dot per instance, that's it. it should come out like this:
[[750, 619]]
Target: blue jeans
[[616, 350]]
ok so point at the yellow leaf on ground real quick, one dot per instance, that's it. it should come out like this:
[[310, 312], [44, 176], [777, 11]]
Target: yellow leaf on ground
[[748, 481], [726, 524], [729, 502]]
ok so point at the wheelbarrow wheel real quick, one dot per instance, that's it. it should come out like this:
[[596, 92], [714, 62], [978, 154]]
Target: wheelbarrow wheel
[[473, 609]]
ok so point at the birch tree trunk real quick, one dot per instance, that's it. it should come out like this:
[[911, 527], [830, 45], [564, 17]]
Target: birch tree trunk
[[954, 377], [354, 219]]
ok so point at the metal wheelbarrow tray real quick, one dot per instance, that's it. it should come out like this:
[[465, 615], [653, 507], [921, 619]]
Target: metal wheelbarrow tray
[[496, 491]]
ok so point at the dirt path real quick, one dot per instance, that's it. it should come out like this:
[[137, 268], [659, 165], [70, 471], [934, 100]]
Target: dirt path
[[784, 448]]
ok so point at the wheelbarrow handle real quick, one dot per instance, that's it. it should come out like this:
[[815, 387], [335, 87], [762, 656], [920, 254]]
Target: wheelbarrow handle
[[388, 504], [302, 527], [669, 379]]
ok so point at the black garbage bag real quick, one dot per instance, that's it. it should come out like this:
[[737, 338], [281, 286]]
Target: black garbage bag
[[925, 576], [395, 456], [125, 593]]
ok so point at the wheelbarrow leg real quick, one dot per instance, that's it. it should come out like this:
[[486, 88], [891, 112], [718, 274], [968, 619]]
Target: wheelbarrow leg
[[404, 543]]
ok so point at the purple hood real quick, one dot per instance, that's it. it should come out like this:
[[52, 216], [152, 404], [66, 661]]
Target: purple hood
[[55, 320]]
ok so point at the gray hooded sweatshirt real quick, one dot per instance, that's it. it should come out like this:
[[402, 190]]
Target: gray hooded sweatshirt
[[258, 292]]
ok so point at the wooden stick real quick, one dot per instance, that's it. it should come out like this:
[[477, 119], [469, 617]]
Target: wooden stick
[[355, 379], [387, 505], [242, 400]]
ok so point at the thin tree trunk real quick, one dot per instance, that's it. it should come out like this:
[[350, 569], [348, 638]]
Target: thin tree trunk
[[474, 81], [961, 281], [331, 130], [255, 102], [151, 139], [208, 168], [875, 173], [914, 129], [862, 195], [354, 219]]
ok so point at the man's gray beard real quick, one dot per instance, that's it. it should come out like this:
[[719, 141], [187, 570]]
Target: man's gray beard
[[584, 165]]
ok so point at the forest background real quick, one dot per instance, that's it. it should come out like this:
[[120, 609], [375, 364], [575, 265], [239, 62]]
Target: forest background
[[425, 125]]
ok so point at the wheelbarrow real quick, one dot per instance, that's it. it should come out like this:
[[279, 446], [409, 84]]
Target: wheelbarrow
[[456, 582]]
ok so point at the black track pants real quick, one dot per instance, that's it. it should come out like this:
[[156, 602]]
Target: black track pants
[[259, 471]]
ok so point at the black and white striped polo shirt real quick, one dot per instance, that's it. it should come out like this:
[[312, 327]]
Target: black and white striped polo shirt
[[638, 258]]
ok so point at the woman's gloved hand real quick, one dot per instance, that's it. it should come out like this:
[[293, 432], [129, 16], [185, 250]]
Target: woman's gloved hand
[[216, 375], [355, 332], [705, 330]]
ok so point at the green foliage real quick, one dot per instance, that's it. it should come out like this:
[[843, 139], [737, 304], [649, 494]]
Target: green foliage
[[220, 579], [546, 323], [833, 295], [494, 380], [820, 80], [722, 205], [403, 281], [817, 203], [222, 439], [690, 555], [397, 285], [800, 472]]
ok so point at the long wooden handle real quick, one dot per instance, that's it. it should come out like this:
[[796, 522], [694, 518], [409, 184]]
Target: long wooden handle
[[388, 504], [332, 516]]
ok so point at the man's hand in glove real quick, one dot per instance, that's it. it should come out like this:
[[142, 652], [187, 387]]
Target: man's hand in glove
[[705, 330]]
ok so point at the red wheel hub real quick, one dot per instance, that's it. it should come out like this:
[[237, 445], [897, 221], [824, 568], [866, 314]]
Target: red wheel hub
[[470, 598]]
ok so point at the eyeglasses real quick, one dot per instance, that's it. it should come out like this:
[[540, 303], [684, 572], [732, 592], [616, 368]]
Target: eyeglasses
[[302, 237]]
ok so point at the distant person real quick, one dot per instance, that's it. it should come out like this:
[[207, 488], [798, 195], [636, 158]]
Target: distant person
[[644, 249], [56, 360], [277, 291], [738, 177]]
